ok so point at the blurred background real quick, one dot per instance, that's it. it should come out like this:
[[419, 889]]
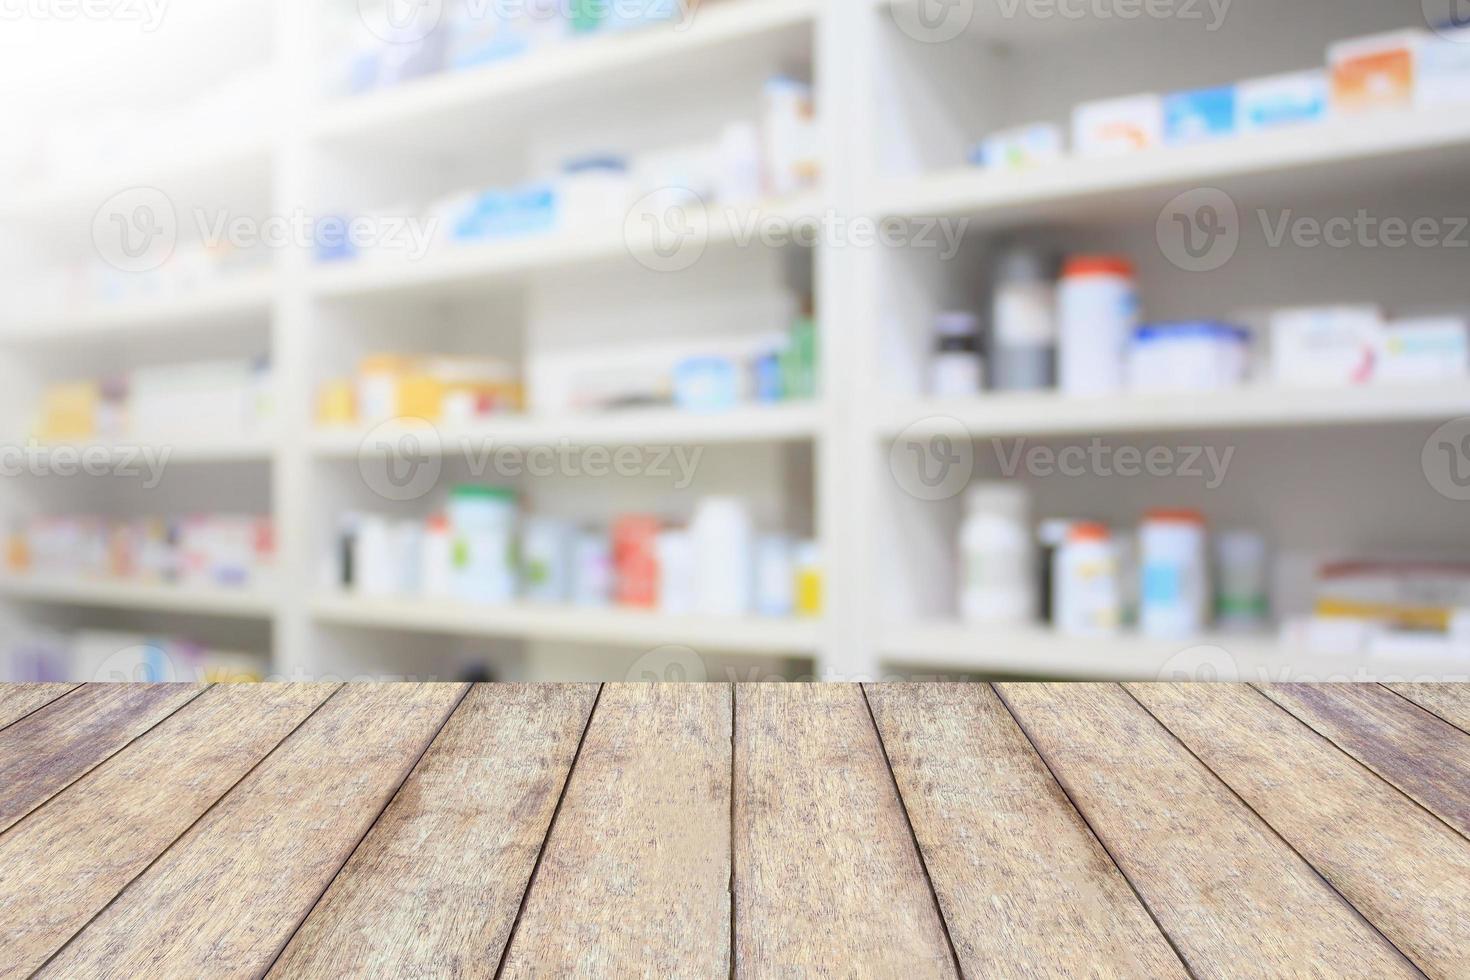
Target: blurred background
[[739, 340]]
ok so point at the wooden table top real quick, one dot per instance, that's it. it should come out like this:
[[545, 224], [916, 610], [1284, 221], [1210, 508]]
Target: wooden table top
[[756, 830]]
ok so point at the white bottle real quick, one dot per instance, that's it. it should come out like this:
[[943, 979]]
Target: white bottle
[[372, 557], [1088, 599], [724, 557], [546, 559], [676, 595], [997, 584], [436, 574], [956, 369], [1097, 311], [1243, 590], [775, 576], [1174, 592], [592, 570]]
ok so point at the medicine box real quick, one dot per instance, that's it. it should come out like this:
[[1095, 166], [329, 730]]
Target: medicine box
[[1281, 100], [1019, 148], [1117, 126], [1325, 346], [1443, 69], [1200, 115], [1375, 72], [1425, 349]]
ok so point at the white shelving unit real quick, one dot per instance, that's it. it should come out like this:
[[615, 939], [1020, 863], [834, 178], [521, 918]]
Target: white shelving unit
[[897, 114]]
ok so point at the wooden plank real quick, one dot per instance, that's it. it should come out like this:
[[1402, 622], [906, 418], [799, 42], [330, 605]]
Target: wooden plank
[[67, 860], [1407, 872], [828, 881], [19, 700], [635, 876], [436, 884], [1450, 702], [45, 752], [224, 899], [1022, 882], [1235, 899], [1423, 755]]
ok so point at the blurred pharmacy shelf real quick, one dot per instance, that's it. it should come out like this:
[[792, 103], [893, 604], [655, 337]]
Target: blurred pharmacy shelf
[[645, 427], [613, 626], [1344, 153], [207, 309], [1040, 653], [440, 108], [1049, 414], [233, 603], [454, 269]]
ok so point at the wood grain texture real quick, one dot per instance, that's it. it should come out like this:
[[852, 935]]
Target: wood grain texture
[[1423, 755], [19, 700], [63, 863], [635, 876], [1022, 882], [224, 899], [828, 881], [1404, 870], [1450, 702], [1235, 900], [435, 886], [46, 751]]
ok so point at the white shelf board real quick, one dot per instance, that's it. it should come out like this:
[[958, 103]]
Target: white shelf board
[[182, 171], [615, 627], [242, 449], [249, 298], [456, 268], [230, 603], [1386, 149], [1048, 414], [1036, 652], [445, 106], [638, 427]]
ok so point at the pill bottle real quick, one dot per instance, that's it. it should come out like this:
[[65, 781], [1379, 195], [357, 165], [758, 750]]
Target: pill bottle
[[484, 523], [1097, 312], [1088, 599], [1023, 345], [1242, 601], [957, 369], [1174, 593], [997, 585], [723, 538]]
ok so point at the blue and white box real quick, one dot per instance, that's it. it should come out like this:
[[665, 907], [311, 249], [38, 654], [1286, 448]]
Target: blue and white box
[[1200, 115]]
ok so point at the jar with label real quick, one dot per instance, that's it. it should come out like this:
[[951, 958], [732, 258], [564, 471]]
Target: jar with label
[[1242, 597], [546, 559], [996, 581], [1023, 323], [1097, 311], [1174, 591], [484, 523], [810, 591], [957, 369], [1088, 598]]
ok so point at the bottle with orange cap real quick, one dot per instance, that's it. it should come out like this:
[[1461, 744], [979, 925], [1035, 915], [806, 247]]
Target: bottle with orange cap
[[1097, 312], [1086, 579], [1174, 586]]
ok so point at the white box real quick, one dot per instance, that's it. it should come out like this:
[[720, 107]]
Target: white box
[[1442, 72], [1114, 127], [1325, 346], [1424, 349]]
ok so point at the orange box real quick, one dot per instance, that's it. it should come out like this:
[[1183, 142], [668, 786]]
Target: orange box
[[1375, 72]]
